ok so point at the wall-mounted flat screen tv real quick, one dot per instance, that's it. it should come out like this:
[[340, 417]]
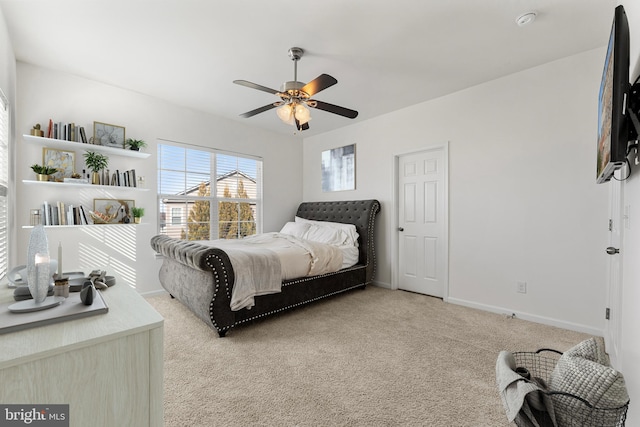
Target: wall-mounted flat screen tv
[[613, 134]]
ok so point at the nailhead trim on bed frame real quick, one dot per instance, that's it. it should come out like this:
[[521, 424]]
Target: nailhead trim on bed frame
[[370, 229], [294, 305], [215, 292]]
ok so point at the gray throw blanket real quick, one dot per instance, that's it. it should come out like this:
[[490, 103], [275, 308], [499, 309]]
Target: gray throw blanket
[[522, 397], [257, 271]]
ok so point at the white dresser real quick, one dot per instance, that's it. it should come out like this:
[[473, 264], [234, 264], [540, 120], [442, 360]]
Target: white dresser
[[107, 367]]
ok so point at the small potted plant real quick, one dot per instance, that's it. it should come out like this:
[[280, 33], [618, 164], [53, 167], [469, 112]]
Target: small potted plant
[[135, 144], [43, 171], [96, 162], [137, 213]]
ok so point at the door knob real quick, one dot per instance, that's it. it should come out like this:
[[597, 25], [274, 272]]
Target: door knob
[[612, 251], [400, 229]]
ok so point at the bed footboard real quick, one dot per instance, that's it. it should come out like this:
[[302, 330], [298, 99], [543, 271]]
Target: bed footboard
[[200, 277]]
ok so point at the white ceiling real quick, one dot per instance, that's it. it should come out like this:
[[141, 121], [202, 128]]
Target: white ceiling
[[386, 55]]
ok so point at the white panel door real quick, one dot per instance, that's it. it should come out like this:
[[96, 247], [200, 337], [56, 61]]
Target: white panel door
[[422, 222], [614, 280]]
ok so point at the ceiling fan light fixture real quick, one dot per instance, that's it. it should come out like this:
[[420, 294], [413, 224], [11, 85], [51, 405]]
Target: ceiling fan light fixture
[[302, 114], [285, 113]]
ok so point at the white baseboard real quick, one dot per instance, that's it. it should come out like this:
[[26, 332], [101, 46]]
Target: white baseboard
[[381, 284], [154, 293], [530, 317]]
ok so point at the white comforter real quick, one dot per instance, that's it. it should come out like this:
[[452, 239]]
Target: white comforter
[[261, 262]]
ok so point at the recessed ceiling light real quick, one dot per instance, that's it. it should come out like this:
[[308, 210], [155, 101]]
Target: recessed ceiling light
[[526, 19]]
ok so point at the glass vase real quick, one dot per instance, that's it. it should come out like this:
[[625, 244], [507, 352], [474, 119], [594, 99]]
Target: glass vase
[[38, 264]]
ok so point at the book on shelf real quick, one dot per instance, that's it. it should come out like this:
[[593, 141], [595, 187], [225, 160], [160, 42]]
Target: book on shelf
[[59, 213], [54, 215], [66, 131], [83, 135], [62, 214], [83, 216], [46, 213], [124, 179], [69, 213]]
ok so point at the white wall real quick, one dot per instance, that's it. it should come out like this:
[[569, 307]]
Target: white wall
[[523, 201], [630, 250], [124, 251]]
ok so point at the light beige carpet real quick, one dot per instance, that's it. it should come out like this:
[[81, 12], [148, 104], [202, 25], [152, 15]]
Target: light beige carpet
[[365, 358]]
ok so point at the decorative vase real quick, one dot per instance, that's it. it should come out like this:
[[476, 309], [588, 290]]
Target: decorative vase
[[42, 177], [38, 264], [95, 178], [137, 219]]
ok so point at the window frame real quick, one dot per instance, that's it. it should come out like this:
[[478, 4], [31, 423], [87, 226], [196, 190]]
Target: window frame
[[214, 200]]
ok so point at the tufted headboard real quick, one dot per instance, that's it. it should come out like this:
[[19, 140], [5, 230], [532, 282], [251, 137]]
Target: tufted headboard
[[361, 213]]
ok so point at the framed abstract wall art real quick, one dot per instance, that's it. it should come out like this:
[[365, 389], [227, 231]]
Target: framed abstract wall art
[[339, 168], [63, 160], [108, 135]]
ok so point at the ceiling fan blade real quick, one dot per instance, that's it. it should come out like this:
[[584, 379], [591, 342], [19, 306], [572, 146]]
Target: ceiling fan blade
[[321, 82], [335, 109], [255, 86], [258, 110]]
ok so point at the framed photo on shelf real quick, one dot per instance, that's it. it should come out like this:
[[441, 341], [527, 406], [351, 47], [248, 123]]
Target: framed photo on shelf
[[339, 168], [108, 135], [112, 211], [63, 160]]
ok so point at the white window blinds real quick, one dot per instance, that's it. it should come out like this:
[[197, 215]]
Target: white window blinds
[[4, 183]]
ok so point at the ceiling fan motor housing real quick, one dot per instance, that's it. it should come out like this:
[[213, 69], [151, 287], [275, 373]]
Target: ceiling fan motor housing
[[295, 53], [293, 89]]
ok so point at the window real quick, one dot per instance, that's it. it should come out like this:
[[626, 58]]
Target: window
[[193, 206], [4, 183], [176, 216]]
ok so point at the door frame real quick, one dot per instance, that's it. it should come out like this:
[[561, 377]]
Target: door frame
[[619, 221], [444, 147]]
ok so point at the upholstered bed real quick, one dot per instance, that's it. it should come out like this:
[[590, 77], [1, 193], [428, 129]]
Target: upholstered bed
[[202, 277]]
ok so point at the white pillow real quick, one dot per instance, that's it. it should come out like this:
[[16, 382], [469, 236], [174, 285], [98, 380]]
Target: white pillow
[[349, 229], [327, 235], [295, 229]]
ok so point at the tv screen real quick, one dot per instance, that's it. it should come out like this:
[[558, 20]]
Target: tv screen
[[613, 136]]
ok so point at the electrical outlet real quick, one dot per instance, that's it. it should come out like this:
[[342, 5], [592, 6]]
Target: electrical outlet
[[521, 287]]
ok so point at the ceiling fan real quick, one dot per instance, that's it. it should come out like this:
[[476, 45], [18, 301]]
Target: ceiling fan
[[295, 97]]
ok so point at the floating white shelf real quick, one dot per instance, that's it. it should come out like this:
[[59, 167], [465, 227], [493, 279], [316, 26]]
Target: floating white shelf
[[82, 225], [66, 145], [73, 184]]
